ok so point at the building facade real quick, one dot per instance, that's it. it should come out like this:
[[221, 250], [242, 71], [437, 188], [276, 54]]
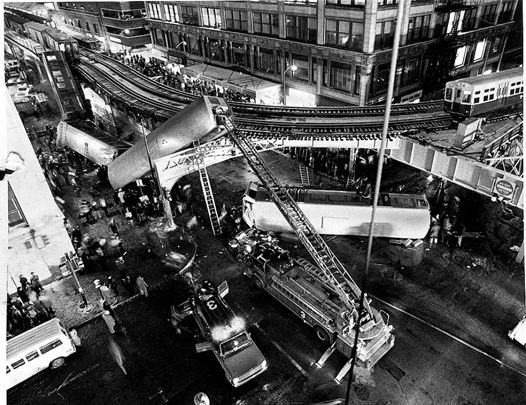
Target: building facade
[[120, 26], [341, 48], [36, 236]]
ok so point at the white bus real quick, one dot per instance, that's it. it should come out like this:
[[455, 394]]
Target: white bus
[[41, 347]]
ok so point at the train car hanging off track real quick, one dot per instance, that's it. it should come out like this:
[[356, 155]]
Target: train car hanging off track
[[335, 212]]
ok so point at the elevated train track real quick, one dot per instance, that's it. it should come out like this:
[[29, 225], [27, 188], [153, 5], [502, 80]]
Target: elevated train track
[[259, 110], [139, 92]]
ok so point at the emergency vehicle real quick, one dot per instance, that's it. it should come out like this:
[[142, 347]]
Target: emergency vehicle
[[305, 290], [224, 334]]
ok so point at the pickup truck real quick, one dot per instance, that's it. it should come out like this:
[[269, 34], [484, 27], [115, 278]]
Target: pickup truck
[[223, 333]]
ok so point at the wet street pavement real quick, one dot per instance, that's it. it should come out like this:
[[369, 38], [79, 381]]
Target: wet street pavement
[[450, 318]]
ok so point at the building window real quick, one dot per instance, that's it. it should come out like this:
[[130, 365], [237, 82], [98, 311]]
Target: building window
[[314, 70], [470, 17], [87, 26], [171, 13], [347, 2], [384, 34], [412, 71], [302, 64], [266, 62], [96, 28], [495, 46], [506, 13], [155, 11], [15, 216], [341, 77], [266, 24], [387, 2], [211, 17], [239, 53], [488, 15], [479, 51], [236, 20], [346, 34], [418, 29], [382, 78], [215, 50], [193, 44], [302, 28], [189, 15], [461, 55]]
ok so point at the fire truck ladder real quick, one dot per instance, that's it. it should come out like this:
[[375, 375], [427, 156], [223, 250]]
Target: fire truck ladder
[[207, 190], [304, 175], [332, 268]]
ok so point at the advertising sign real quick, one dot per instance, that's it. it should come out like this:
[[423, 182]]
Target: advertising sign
[[504, 188]]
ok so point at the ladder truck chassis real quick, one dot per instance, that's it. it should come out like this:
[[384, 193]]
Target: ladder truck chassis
[[302, 288]]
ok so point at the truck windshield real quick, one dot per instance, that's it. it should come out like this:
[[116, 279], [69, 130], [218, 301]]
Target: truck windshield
[[234, 344]]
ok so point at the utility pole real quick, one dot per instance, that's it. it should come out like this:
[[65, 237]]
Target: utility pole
[[74, 264]]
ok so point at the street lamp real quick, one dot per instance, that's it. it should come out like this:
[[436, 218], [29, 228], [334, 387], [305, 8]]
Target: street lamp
[[179, 44], [284, 75]]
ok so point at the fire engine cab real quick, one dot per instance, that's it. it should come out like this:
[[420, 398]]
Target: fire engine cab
[[224, 334]]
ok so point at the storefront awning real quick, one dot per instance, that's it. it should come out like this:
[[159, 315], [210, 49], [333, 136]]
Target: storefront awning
[[254, 87]]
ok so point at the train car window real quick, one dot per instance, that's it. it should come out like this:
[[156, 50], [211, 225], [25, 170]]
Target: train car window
[[403, 202], [476, 100], [467, 97], [486, 98], [449, 93], [491, 96], [458, 93], [337, 197], [316, 197], [421, 202]]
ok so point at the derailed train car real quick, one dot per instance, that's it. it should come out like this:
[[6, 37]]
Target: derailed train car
[[90, 142], [336, 212], [195, 122]]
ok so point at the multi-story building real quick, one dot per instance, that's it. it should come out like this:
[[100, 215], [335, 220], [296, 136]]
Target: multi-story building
[[120, 26], [36, 236], [341, 48]]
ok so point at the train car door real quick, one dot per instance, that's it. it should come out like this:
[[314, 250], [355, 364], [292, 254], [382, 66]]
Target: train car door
[[502, 93]]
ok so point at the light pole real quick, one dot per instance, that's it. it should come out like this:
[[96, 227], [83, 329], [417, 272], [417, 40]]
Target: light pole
[[179, 44], [284, 75]]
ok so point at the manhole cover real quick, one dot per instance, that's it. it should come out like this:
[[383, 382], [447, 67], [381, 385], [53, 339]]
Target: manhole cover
[[107, 377], [362, 392]]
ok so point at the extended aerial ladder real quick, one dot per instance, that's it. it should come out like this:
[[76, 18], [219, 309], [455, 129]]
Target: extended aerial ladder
[[375, 337]]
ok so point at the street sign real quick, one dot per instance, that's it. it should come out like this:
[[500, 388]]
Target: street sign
[[504, 188]]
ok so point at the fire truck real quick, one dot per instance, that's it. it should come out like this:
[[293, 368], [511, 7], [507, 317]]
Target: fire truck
[[223, 333], [305, 290]]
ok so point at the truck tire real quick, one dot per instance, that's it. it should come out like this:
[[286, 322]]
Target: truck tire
[[58, 362], [321, 334], [260, 283]]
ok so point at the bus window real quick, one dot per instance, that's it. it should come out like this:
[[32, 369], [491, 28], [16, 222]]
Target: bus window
[[32, 355], [18, 363], [50, 346]]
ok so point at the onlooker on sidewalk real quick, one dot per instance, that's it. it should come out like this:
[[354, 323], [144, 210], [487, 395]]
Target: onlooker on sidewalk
[[35, 283], [23, 282], [46, 301], [75, 337], [128, 284], [113, 285], [143, 287], [116, 353], [110, 321]]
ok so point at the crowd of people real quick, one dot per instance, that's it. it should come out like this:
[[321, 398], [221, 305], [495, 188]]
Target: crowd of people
[[175, 79], [29, 308], [446, 226]]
